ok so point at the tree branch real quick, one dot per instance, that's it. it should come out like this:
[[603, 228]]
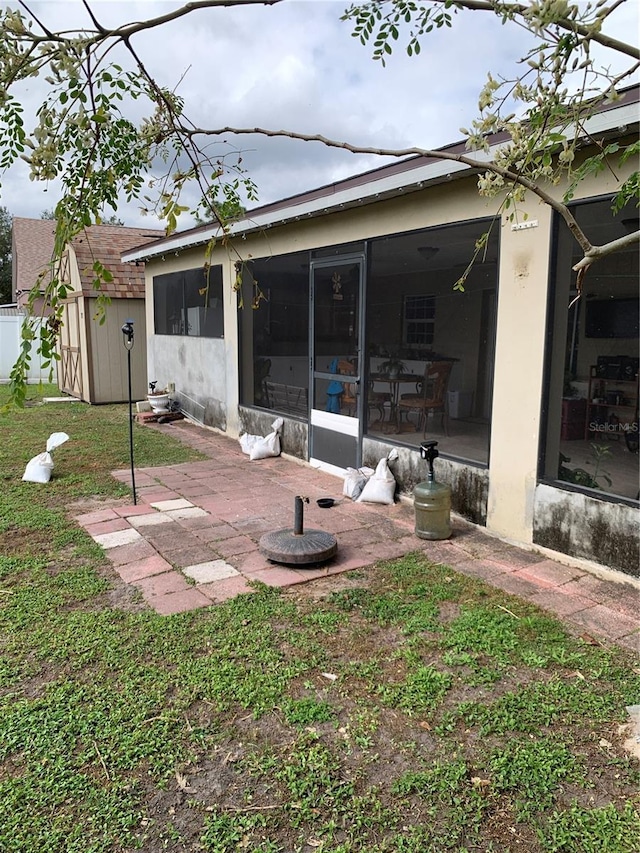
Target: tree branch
[[572, 26], [597, 252], [48, 33], [168, 106], [514, 9], [128, 30], [480, 165], [91, 14]]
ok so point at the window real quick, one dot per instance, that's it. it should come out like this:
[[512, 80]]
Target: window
[[275, 335], [410, 283], [592, 429], [419, 316], [189, 302]]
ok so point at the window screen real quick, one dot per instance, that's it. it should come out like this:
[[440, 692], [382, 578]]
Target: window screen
[[189, 302]]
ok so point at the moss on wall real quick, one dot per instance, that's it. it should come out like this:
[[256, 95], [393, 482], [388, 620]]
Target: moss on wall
[[582, 526]]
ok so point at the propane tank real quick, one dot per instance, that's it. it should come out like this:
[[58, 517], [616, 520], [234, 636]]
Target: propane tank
[[432, 501]]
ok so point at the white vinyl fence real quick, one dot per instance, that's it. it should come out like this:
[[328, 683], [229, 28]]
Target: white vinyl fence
[[10, 341]]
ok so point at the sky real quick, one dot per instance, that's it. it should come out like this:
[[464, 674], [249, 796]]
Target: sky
[[296, 66]]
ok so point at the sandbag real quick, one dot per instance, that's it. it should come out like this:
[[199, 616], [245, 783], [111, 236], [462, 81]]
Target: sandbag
[[265, 447], [39, 468], [380, 488], [261, 447], [247, 441], [355, 480]]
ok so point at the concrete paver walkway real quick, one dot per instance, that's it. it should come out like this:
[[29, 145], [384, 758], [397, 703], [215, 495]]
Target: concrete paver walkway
[[192, 540]]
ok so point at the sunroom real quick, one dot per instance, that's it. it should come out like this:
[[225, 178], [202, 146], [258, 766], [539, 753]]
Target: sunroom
[[416, 353], [395, 307]]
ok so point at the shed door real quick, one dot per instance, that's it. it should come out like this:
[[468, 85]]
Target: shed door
[[70, 372]]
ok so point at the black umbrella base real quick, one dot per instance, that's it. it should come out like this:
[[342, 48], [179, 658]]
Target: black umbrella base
[[299, 549]]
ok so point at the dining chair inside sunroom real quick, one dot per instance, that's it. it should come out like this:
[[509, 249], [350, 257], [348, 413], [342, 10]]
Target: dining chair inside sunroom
[[378, 400], [348, 399], [430, 396]]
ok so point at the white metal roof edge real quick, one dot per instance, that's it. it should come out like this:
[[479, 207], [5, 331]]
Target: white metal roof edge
[[618, 118]]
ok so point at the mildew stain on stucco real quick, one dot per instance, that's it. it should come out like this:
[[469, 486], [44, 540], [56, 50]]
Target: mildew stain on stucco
[[215, 414], [469, 493], [582, 526]]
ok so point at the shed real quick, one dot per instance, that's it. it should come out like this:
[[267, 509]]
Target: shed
[[93, 360]]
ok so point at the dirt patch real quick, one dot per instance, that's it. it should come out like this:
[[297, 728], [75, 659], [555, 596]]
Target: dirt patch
[[14, 543], [320, 588]]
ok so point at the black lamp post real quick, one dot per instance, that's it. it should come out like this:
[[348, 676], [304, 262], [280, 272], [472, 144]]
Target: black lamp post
[[127, 339]]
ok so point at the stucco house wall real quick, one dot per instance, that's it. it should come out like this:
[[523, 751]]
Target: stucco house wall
[[196, 366]]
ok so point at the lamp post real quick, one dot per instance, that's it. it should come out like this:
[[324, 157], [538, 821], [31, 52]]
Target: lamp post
[[127, 340]]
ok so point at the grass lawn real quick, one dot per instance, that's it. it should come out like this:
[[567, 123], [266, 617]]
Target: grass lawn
[[404, 709]]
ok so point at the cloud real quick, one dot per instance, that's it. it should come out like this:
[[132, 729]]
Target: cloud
[[296, 66]]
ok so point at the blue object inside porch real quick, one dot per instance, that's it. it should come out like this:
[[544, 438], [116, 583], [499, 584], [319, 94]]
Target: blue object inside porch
[[334, 390]]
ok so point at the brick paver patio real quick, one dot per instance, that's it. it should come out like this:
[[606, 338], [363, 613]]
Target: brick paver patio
[[192, 540]]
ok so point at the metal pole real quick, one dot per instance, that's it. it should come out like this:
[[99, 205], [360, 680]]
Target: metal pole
[[133, 475], [297, 520], [127, 340]]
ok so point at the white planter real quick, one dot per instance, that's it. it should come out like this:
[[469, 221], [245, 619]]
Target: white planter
[[159, 403]]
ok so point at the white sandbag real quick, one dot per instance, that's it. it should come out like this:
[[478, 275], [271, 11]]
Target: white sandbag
[[39, 468], [267, 446], [264, 445], [247, 441], [380, 488], [355, 480]]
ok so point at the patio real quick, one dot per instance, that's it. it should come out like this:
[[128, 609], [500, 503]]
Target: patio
[[192, 539]]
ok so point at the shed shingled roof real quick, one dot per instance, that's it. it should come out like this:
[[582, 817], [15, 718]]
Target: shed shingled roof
[[32, 246], [106, 243]]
